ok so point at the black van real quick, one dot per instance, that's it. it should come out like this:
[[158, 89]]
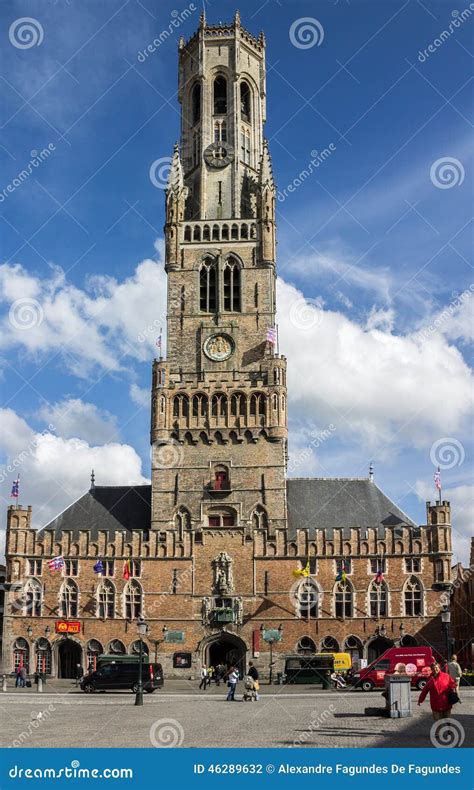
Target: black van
[[123, 675], [308, 669]]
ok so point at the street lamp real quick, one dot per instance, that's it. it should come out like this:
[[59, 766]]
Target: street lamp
[[271, 640], [402, 632], [29, 631], [142, 629], [446, 622], [47, 631]]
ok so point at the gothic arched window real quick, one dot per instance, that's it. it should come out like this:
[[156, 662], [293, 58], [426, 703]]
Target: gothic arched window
[[117, 647], [259, 518], [245, 97], [220, 96], [208, 287], [43, 656], [344, 600], [237, 404], [199, 405], [308, 599], [33, 598], [196, 103], [413, 598], [106, 600], [306, 646], [232, 286], [21, 654], [94, 650], [133, 600], [69, 597], [378, 600]]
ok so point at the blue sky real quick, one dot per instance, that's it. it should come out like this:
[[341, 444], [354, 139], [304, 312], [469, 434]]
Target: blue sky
[[375, 243]]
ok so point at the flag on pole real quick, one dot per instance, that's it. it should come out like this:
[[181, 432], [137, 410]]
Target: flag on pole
[[302, 572], [158, 341], [99, 567], [56, 563], [16, 488], [272, 335], [437, 479], [341, 574], [126, 573]]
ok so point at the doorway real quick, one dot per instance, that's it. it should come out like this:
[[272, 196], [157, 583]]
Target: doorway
[[69, 656], [228, 650], [377, 647]]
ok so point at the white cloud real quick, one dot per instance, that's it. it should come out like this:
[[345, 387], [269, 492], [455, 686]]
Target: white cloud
[[74, 419], [379, 318], [103, 325], [140, 395], [377, 280], [55, 471], [375, 386], [461, 498]]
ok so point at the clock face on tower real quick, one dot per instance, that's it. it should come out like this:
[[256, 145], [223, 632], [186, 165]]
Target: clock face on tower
[[218, 154], [218, 347]]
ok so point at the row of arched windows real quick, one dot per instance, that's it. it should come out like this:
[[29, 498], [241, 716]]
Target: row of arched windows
[[223, 232], [308, 599], [220, 100], [43, 653], [132, 599], [224, 408]]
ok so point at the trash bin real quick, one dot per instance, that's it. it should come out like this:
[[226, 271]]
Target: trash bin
[[397, 696]]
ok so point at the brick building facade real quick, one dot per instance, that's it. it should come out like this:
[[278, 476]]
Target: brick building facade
[[212, 544]]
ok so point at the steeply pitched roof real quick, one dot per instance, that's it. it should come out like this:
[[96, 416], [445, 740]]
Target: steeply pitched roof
[[331, 503], [106, 507], [313, 503]]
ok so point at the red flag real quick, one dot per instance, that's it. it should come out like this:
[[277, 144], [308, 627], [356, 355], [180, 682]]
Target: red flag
[[126, 570]]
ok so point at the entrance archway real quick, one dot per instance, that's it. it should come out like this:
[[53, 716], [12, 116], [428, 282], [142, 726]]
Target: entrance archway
[[69, 656], [377, 647], [228, 650]]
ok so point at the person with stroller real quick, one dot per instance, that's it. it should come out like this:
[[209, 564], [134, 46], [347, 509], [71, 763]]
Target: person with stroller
[[251, 683]]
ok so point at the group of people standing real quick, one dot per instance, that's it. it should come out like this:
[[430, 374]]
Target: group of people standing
[[230, 675]]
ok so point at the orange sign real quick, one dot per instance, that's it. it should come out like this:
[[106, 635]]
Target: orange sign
[[68, 627]]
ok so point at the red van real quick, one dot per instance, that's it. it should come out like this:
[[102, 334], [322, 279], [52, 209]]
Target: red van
[[417, 662]]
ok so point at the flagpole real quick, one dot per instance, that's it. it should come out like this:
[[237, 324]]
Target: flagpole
[[278, 340]]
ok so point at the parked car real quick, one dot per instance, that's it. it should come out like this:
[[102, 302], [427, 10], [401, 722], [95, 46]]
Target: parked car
[[121, 675], [417, 662]]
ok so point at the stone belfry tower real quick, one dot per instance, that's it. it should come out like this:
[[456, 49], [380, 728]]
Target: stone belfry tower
[[219, 411]]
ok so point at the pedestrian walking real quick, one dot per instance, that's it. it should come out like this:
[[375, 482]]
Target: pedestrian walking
[[455, 671], [232, 684], [253, 672], [210, 675], [23, 676], [17, 677], [203, 683], [438, 687]]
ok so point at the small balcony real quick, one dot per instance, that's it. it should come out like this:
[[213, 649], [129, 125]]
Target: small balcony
[[222, 615], [219, 485]]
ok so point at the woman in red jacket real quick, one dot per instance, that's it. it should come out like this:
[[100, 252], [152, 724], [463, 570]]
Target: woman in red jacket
[[438, 687]]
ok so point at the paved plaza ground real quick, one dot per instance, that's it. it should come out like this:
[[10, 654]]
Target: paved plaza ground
[[181, 715]]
